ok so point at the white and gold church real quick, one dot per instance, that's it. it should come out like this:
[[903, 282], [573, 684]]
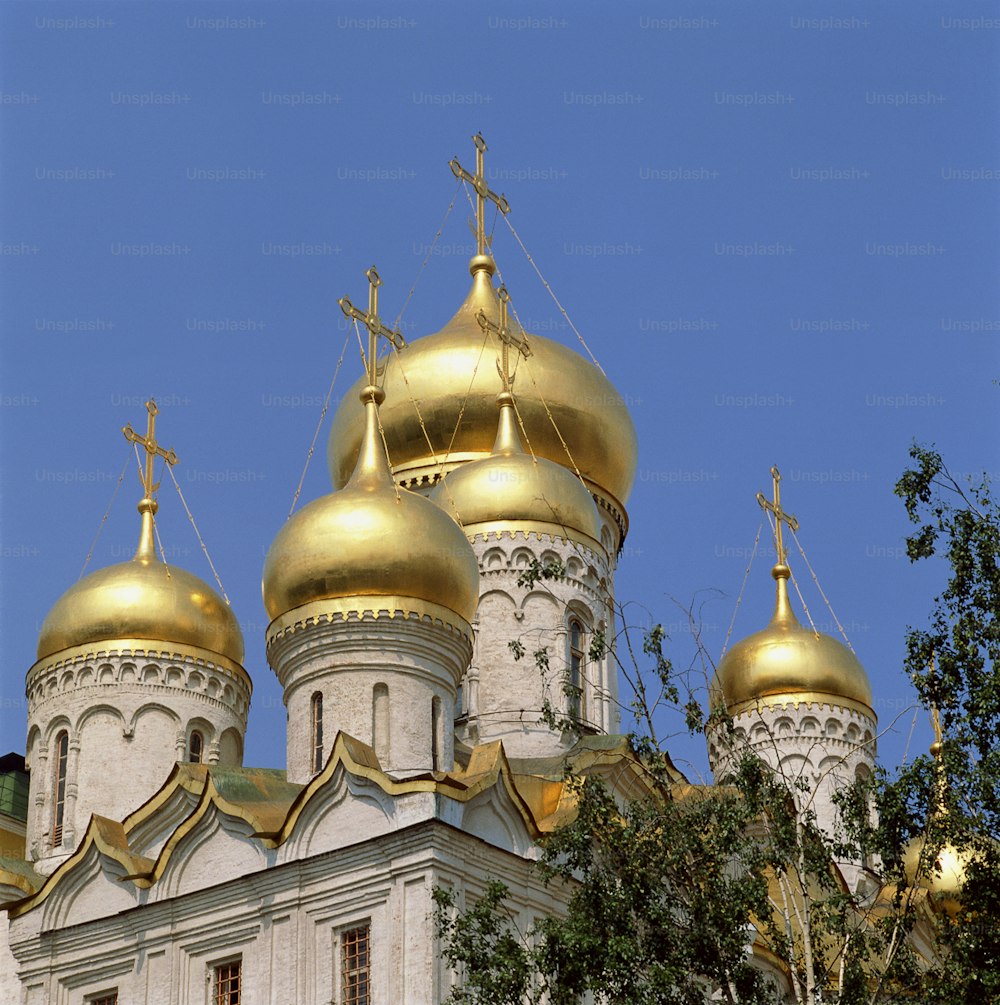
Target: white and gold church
[[150, 867]]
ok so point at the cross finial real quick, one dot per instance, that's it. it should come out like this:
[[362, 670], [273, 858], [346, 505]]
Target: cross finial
[[507, 339], [938, 745], [483, 192], [372, 322], [152, 448], [780, 516]]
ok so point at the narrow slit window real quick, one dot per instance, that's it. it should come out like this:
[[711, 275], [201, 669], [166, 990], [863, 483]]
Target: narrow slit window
[[380, 722], [437, 736], [196, 747], [355, 966], [61, 757], [317, 732], [227, 983], [577, 641]]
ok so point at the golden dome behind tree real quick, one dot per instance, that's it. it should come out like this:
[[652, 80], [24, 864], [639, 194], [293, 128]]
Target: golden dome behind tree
[[943, 877]]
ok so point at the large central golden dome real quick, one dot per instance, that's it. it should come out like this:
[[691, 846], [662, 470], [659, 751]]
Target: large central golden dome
[[447, 369], [142, 600], [788, 662]]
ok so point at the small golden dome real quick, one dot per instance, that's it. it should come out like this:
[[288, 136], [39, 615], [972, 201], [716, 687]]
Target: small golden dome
[[139, 600], [511, 486], [371, 539], [787, 662], [449, 370], [943, 880]]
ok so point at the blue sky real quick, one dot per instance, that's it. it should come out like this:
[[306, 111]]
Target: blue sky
[[776, 228]]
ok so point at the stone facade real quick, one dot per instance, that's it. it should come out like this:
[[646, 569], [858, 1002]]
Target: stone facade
[[284, 927], [129, 715], [387, 678], [503, 696], [418, 757], [352, 852], [825, 745]]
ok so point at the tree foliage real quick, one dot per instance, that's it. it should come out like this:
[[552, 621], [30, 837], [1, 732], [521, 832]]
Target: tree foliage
[[733, 891], [953, 662]]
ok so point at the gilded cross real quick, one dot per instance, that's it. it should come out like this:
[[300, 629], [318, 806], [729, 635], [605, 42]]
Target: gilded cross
[[483, 192], [152, 448], [506, 336], [936, 747], [780, 516], [372, 321]]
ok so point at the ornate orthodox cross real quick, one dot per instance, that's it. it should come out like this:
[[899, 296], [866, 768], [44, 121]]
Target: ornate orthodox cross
[[152, 448], [483, 192], [372, 321], [780, 516], [937, 745], [506, 336]]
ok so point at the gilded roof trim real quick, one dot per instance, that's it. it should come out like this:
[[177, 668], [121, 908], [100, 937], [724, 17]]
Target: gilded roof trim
[[487, 765], [542, 802], [108, 838]]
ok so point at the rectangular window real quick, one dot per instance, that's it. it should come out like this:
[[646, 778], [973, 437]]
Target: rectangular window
[[355, 967], [227, 983], [104, 998]]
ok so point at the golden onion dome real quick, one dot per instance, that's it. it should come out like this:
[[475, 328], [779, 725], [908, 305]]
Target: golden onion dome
[[142, 600], [371, 539], [449, 374], [944, 878], [512, 490], [943, 881], [788, 662]]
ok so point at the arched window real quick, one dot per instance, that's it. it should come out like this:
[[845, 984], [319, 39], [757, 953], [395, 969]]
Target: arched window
[[493, 559], [316, 732], [577, 693], [61, 757], [196, 746]]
